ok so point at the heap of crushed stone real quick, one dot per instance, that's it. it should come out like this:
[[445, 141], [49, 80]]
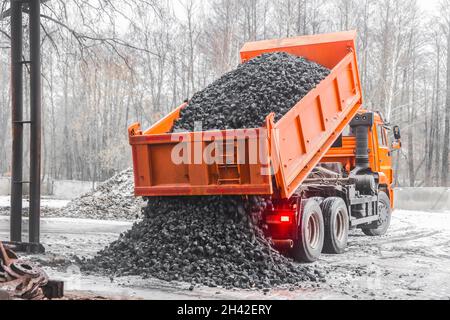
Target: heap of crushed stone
[[46, 212], [211, 241], [244, 97], [112, 200]]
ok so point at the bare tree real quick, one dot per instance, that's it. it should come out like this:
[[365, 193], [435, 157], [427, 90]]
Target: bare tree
[[107, 63], [445, 9]]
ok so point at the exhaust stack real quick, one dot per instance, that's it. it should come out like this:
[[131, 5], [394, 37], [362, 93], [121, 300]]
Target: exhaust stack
[[360, 126]]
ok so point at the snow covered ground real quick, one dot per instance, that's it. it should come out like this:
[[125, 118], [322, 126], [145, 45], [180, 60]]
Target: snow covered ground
[[411, 262], [5, 202]]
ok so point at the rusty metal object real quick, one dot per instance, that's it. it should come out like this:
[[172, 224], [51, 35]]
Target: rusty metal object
[[20, 278], [54, 289]]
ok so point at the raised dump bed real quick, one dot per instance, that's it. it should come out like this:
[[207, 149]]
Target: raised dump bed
[[243, 162]]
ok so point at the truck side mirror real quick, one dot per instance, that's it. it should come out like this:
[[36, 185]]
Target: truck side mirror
[[397, 145], [397, 133]]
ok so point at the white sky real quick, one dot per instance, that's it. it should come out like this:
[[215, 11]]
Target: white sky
[[429, 5]]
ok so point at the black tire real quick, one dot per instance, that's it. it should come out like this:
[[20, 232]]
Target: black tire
[[309, 245], [337, 225], [319, 200], [381, 227]]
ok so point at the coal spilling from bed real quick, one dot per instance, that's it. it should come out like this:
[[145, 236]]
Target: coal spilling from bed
[[211, 241], [244, 97]]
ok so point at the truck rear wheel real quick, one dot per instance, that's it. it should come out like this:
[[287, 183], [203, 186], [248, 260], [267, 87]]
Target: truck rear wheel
[[382, 225], [336, 220], [309, 245]]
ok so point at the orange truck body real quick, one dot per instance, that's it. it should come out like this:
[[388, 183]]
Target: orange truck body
[[295, 145]]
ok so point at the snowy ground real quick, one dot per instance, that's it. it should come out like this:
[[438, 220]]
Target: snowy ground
[[49, 207], [5, 202], [411, 262]]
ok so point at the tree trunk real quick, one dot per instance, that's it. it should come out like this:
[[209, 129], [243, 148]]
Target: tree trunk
[[445, 150]]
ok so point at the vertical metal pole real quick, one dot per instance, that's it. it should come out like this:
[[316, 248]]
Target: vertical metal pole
[[35, 112], [17, 125]]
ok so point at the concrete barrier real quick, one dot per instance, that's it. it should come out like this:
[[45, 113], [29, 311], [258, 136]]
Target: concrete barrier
[[61, 189], [5, 186], [65, 189], [423, 199]]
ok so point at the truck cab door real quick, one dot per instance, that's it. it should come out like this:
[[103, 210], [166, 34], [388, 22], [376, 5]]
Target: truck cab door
[[384, 153]]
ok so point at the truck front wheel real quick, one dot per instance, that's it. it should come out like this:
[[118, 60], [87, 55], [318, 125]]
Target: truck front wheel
[[335, 215], [382, 225], [309, 245]]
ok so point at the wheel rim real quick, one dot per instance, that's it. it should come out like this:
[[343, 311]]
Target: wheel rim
[[340, 225], [313, 231]]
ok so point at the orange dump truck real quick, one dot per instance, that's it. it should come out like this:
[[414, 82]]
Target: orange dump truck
[[324, 168]]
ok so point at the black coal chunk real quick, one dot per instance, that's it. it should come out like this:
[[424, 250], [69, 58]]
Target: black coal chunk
[[244, 97], [211, 241]]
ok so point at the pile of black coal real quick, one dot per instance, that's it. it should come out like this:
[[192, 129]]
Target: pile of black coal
[[244, 97], [217, 241], [212, 241]]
